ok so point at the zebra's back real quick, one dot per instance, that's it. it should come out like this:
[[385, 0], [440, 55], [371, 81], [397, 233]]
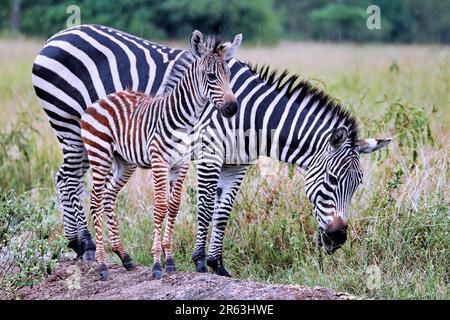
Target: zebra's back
[[81, 65]]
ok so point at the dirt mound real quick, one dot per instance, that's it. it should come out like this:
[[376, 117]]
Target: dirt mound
[[80, 280]]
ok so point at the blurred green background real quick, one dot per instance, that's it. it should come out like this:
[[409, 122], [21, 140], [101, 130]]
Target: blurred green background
[[262, 21]]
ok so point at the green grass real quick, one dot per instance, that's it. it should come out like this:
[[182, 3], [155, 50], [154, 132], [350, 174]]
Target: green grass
[[399, 220]]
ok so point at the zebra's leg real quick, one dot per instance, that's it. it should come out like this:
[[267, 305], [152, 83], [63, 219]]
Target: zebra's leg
[[70, 188], [229, 184], [208, 173], [119, 176], [160, 174], [99, 174], [101, 159], [177, 177], [67, 211], [84, 234]]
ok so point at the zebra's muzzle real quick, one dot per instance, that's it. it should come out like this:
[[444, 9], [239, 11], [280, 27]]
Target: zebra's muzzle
[[229, 109], [330, 241]]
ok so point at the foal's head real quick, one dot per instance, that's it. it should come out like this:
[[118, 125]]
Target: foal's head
[[213, 70]]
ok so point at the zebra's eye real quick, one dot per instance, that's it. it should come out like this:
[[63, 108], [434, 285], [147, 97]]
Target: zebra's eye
[[333, 179], [211, 76]]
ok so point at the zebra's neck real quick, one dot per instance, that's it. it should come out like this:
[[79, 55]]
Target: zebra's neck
[[186, 101], [284, 118]]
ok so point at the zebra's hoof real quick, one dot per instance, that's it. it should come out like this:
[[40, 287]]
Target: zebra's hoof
[[217, 266], [200, 266], [156, 274], [103, 271], [89, 255], [213, 263], [170, 265], [221, 271], [129, 265], [76, 246], [157, 271]]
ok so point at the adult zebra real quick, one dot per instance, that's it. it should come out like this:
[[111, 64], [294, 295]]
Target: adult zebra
[[289, 122]]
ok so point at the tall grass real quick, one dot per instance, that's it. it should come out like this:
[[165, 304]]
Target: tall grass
[[399, 222]]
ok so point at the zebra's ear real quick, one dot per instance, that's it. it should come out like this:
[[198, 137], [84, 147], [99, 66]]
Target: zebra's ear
[[371, 145], [338, 137], [197, 46], [230, 48]]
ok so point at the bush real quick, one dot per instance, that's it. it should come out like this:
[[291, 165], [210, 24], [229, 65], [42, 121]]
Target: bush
[[28, 248]]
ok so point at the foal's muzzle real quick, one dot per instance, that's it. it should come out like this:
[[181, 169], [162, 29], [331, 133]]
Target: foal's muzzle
[[229, 109]]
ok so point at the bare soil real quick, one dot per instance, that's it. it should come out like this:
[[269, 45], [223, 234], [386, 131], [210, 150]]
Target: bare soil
[[78, 280]]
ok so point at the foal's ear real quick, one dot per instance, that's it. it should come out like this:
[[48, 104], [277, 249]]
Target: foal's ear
[[197, 46], [230, 48], [371, 145]]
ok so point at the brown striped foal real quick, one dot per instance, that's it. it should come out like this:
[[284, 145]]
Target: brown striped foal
[[129, 129]]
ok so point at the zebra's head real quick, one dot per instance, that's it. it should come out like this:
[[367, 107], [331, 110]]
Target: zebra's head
[[331, 181], [214, 71]]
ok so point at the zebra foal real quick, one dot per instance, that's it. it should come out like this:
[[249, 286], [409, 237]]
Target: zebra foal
[[130, 129]]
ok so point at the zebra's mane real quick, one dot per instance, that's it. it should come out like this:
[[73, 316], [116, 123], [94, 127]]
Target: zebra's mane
[[292, 83], [212, 43], [179, 68]]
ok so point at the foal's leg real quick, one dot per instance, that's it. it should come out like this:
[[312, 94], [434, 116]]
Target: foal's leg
[[160, 174], [99, 174], [121, 172], [176, 182]]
